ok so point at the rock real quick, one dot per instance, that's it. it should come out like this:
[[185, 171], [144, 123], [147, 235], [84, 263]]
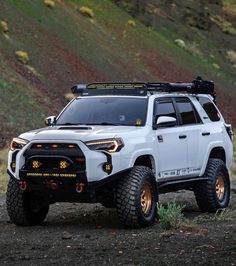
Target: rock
[[66, 235]]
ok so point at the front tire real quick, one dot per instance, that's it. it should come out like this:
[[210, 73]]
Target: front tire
[[214, 193], [23, 207], [136, 198]]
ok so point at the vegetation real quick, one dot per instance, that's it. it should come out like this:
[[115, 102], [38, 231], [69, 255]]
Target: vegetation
[[86, 11], [22, 57], [171, 216]]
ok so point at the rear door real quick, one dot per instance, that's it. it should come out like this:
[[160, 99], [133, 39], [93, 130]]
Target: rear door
[[171, 143]]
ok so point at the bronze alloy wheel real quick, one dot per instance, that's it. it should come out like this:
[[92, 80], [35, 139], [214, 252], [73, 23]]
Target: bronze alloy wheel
[[146, 199], [220, 187]]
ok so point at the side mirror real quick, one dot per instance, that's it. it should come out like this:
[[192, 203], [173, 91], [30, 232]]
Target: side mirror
[[166, 121], [50, 121]]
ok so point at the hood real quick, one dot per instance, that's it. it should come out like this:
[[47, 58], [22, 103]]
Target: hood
[[82, 133]]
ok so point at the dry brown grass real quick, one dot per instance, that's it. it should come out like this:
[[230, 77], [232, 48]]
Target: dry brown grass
[[22, 57], [86, 11]]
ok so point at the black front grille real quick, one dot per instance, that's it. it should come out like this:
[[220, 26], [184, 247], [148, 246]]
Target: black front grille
[[63, 158]]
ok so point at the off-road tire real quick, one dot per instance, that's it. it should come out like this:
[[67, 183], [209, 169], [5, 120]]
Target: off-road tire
[[19, 206], [206, 194], [128, 198]]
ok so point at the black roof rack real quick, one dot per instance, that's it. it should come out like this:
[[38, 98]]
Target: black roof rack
[[197, 86]]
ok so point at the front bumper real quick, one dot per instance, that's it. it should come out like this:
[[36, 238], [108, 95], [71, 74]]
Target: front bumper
[[66, 180]]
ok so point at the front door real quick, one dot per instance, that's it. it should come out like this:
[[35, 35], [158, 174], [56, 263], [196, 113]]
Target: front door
[[171, 143]]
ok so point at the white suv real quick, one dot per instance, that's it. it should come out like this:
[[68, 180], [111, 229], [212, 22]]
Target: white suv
[[122, 145]]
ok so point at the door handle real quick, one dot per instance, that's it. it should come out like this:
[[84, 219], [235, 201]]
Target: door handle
[[182, 136], [206, 133]]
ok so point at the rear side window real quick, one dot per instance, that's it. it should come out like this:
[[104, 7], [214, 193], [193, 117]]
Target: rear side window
[[186, 111], [164, 109], [209, 108]]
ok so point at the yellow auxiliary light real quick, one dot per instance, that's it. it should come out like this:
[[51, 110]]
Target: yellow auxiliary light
[[36, 164], [63, 164]]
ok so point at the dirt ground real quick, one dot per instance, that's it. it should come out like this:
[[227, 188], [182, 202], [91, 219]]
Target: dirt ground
[[82, 234]]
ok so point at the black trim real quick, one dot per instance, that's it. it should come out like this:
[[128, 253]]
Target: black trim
[[178, 184]]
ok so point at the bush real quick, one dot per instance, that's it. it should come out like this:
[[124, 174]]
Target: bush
[[131, 23], [231, 55], [191, 48], [22, 57], [4, 26], [86, 11], [49, 3], [69, 96], [171, 216], [224, 25], [180, 43]]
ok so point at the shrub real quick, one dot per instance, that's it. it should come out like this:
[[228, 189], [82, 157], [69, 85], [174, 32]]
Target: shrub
[[49, 3], [191, 48], [224, 25], [22, 57], [86, 11], [216, 66], [69, 96], [180, 43], [171, 216], [231, 55], [131, 23], [4, 26]]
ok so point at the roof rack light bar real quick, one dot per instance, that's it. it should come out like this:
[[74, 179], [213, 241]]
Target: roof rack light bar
[[197, 86]]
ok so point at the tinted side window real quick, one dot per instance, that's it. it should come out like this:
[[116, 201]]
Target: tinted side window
[[209, 108], [164, 109], [186, 111]]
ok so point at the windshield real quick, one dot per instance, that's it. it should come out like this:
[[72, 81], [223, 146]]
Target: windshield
[[105, 111]]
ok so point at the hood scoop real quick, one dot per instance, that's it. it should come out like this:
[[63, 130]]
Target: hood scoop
[[74, 128]]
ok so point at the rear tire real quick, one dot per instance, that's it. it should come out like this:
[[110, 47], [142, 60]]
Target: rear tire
[[214, 193], [24, 207], [136, 198]]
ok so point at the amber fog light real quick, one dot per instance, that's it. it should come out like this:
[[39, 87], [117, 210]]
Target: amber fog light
[[107, 167]]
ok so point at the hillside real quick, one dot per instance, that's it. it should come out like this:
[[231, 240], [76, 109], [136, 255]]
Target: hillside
[[66, 45]]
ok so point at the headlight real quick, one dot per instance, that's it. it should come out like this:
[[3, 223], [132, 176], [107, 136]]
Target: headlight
[[18, 144], [109, 145]]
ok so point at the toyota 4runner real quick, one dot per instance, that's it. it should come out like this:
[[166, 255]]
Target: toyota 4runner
[[122, 144]]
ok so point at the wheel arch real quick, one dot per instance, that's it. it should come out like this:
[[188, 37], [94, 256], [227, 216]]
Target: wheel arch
[[215, 152], [218, 153], [146, 160]]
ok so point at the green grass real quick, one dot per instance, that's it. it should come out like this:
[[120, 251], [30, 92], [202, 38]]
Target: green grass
[[16, 102]]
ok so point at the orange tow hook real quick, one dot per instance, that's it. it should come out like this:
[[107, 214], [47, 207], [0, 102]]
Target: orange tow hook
[[79, 187], [23, 185]]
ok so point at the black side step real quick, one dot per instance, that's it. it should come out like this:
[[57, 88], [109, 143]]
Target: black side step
[[174, 185]]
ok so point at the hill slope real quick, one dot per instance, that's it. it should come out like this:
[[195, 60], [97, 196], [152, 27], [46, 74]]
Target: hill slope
[[67, 47]]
